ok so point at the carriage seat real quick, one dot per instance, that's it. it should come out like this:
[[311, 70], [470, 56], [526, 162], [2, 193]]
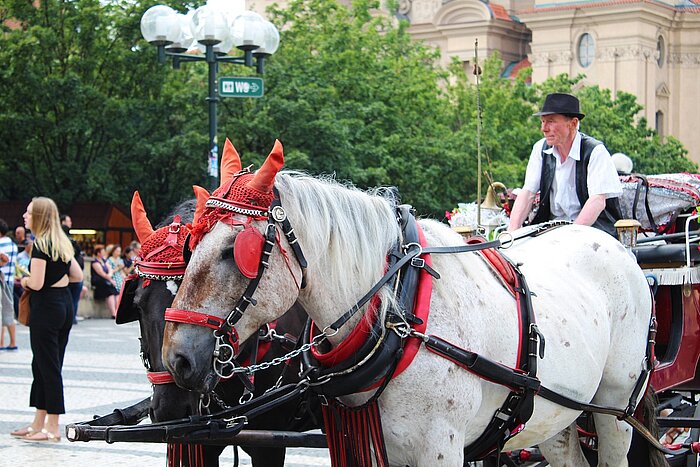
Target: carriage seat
[[665, 255]]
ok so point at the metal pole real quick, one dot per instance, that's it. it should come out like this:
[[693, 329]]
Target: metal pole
[[477, 72], [213, 156]]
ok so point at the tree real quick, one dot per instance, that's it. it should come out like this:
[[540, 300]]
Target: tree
[[350, 94], [82, 114]]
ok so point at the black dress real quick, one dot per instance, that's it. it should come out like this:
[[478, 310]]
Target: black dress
[[103, 287], [50, 322]]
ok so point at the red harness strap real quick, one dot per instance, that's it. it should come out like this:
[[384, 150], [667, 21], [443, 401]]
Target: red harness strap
[[421, 309], [160, 377], [201, 319]]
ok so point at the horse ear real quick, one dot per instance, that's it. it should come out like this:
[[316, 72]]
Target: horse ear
[[264, 178], [202, 196], [230, 162], [139, 219]]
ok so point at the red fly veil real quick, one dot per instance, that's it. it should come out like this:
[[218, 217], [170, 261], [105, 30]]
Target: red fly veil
[[240, 192], [161, 249]]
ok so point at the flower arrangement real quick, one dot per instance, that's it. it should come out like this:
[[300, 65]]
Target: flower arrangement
[[465, 215]]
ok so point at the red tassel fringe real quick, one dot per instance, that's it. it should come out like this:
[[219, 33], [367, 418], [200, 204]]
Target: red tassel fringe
[[354, 435], [185, 455]]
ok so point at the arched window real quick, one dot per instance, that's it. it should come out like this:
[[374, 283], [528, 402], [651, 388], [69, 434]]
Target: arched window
[[586, 50]]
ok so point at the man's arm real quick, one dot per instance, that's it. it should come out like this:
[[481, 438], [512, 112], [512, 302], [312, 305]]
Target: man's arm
[[591, 210], [521, 208]]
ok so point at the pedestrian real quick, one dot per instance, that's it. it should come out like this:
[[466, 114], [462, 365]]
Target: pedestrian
[[20, 234], [102, 280], [52, 268], [8, 261], [573, 172], [115, 261], [136, 250], [75, 288]]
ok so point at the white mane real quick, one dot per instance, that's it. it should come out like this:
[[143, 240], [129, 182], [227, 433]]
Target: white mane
[[325, 215]]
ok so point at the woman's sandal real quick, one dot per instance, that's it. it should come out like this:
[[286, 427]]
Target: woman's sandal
[[22, 432], [42, 437]]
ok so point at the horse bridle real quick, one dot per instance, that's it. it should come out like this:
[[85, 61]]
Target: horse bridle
[[227, 341], [160, 271]]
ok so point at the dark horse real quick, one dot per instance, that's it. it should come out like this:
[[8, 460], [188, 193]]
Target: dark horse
[[145, 297]]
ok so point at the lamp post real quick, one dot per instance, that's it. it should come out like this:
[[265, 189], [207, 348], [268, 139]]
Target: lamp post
[[213, 30]]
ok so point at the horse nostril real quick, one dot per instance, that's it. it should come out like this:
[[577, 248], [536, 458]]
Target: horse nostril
[[182, 367]]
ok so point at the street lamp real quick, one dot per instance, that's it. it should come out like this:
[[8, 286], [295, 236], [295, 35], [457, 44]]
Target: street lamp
[[208, 34]]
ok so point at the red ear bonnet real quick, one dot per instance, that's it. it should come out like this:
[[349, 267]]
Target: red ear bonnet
[[264, 178], [202, 196], [230, 162], [240, 192], [139, 219]]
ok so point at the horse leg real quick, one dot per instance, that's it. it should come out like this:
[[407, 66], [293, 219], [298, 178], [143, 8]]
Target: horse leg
[[564, 449], [614, 439]]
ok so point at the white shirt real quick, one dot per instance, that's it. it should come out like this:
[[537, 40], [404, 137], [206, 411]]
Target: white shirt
[[564, 204]]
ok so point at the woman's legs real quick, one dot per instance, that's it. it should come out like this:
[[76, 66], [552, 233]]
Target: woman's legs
[[111, 302]]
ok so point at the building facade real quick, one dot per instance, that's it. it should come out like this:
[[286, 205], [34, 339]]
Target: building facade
[[650, 49]]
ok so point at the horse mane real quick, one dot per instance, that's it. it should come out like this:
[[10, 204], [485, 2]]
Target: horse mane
[[347, 232], [185, 210]]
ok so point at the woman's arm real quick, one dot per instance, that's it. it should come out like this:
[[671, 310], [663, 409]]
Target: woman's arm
[[99, 271], [75, 274], [36, 280]]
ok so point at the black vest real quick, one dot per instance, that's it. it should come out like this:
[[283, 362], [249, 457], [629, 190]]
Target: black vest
[[611, 213]]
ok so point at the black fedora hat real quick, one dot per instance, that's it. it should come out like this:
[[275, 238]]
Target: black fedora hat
[[559, 103]]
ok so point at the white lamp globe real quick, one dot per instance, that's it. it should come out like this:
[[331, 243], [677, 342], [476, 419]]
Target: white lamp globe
[[159, 24], [248, 31], [232, 8], [185, 39], [209, 25], [271, 40]]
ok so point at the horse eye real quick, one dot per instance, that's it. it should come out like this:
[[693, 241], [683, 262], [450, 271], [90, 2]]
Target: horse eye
[[227, 253]]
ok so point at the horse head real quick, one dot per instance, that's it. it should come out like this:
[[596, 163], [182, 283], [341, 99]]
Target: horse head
[[234, 239], [148, 292]]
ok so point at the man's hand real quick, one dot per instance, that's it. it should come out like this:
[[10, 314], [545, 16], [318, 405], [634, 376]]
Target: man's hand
[[4, 259]]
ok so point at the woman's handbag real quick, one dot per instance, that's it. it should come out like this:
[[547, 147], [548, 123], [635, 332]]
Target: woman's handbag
[[24, 309]]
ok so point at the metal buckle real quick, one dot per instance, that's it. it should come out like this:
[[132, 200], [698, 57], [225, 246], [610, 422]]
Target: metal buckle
[[507, 239], [230, 422], [417, 262], [278, 214]]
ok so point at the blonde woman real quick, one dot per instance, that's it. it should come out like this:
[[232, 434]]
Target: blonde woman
[[52, 267]]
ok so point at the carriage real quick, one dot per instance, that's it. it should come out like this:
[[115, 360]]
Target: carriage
[[671, 268]]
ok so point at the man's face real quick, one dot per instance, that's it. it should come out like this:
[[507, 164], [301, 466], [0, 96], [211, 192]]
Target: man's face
[[19, 233], [558, 130], [68, 222]]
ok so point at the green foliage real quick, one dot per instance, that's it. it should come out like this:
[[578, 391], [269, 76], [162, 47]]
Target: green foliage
[[350, 94], [87, 113], [82, 112]]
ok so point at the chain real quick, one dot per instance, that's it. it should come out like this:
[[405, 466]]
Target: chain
[[280, 360]]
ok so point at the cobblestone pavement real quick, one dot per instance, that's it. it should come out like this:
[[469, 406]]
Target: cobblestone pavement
[[102, 371]]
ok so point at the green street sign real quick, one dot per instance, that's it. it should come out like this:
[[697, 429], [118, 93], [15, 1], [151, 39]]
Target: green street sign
[[240, 87]]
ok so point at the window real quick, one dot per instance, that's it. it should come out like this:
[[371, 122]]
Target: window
[[660, 51], [660, 123], [586, 50]]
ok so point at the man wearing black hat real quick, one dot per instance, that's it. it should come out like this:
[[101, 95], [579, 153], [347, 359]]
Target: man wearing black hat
[[573, 172]]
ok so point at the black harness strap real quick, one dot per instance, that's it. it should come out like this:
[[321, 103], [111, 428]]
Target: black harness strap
[[413, 252]]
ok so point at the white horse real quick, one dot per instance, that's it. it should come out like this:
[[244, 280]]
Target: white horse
[[590, 299]]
